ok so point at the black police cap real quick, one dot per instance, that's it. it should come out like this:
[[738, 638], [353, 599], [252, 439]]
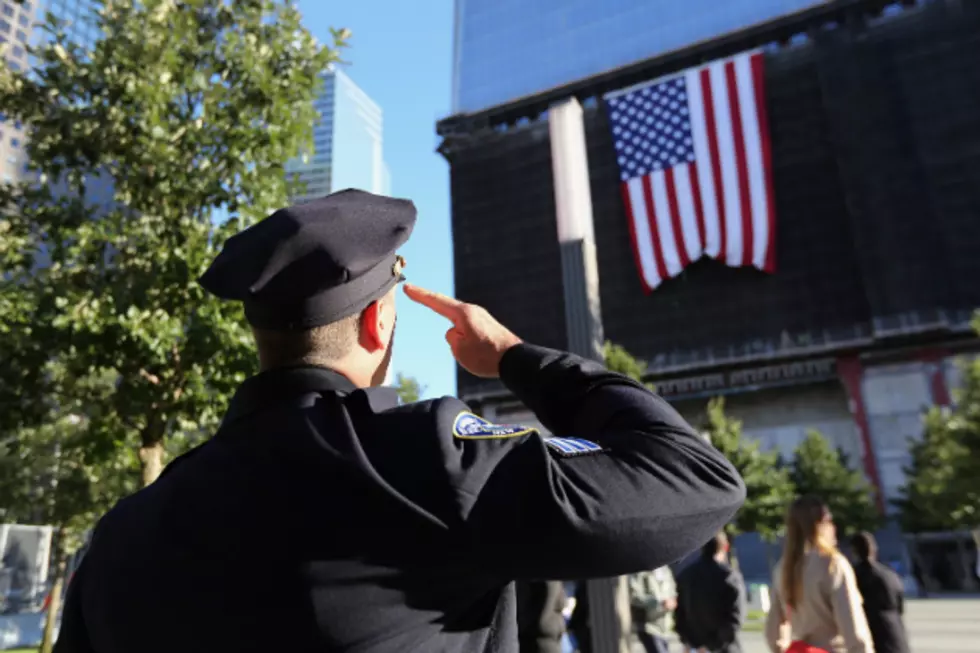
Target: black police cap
[[316, 262]]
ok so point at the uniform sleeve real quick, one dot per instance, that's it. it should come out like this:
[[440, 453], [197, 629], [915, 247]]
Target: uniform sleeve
[[681, 626], [848, 608], [73, 635], [631, 486]]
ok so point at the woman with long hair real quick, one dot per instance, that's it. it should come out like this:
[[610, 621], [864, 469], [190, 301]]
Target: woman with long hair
[[815, 602]]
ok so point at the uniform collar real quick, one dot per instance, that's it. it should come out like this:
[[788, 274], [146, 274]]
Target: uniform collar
[[274, 386]]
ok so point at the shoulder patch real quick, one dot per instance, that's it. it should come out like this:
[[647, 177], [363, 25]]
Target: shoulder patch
[[572, 446], [471, 427]]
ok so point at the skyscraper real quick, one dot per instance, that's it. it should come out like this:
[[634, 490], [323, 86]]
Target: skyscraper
[[347, 143], [16, 22]]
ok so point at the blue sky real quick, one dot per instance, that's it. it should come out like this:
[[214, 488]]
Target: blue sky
[[401, 55]]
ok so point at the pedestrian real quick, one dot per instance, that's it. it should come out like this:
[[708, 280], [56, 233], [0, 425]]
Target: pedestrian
[[540, 616], [710, 601], [379, 527], [653, 599], [883, 594], [816, 605]]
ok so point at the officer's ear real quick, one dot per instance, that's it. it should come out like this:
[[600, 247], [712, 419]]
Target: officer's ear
[[377, 322]]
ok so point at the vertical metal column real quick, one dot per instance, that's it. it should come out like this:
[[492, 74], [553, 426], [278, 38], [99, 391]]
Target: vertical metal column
[[609, 612]]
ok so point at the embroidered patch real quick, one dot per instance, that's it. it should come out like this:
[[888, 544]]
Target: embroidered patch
[[572, 446], [470, 427]]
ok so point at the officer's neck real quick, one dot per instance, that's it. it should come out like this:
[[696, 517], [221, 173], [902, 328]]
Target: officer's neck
[[355, 374]]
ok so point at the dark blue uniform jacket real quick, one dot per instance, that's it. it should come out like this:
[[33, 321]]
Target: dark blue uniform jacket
[[324, 518]]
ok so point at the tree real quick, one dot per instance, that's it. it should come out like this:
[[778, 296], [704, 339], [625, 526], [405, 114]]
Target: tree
[[926, 502], [768, 487], [941, 490], [189, 109], [617, 359], [408, 388], [48, 476], [821, 470]]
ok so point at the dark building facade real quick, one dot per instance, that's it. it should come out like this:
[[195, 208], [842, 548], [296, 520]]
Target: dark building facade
[[875, 133]]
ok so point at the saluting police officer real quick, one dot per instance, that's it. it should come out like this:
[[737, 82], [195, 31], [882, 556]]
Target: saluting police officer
[[323, 516]]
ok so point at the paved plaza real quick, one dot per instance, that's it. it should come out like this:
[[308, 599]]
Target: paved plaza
[[935, 626]]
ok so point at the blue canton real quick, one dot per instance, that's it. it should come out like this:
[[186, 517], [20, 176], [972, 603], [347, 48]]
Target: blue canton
[[651, 128]]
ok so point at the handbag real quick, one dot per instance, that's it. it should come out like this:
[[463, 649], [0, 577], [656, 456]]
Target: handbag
[[799, 646]]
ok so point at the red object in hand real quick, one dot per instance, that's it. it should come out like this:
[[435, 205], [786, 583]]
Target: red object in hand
[[802, 647]]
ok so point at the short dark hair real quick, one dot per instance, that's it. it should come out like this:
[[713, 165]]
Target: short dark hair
[[317, 346], [864, 545], [715, 545]]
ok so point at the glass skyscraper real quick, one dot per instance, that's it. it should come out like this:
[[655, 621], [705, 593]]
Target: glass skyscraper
[[508, 49], [17, 23], [347, 143]]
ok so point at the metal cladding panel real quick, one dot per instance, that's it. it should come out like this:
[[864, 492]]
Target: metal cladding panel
[[506, 252], [876, 156]]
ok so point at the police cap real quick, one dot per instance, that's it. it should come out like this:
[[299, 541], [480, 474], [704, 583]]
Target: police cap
[[316, 262]]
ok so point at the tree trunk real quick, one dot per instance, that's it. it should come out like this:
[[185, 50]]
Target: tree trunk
[[54, 605], [151, 460]]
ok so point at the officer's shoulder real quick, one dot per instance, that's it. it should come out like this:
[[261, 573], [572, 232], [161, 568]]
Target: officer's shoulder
[[454, 419]]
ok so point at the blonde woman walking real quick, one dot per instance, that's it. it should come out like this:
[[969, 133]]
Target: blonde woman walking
[[816, 605]]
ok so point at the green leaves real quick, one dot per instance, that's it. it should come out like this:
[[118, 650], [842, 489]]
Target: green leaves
[[942, 491], [181, 111], [768, 487], [821, 470], [408, 389]]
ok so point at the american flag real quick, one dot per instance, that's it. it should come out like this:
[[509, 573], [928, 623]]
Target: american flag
[[695, 168]]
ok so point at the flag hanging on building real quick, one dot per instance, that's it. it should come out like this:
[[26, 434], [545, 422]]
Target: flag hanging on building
[[695, 168]]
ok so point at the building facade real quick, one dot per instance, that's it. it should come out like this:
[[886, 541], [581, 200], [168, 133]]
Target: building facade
[[348, 143], [860, 328], [508, 49], [16, 31]]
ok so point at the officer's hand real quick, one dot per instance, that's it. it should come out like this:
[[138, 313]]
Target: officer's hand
[[478, 340]]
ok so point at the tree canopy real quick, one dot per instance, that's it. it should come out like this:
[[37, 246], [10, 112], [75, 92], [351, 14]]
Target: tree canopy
[[146, 152]]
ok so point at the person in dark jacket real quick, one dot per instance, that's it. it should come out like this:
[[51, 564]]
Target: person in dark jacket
[[540, 618], [383, 527], [883, 594], [710, 601]]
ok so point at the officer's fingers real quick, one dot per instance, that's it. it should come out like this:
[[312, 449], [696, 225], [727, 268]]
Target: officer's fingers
[[445, 306], [453, 336]]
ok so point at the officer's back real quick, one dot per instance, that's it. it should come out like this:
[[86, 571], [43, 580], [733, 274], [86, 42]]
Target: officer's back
[[323, 516]]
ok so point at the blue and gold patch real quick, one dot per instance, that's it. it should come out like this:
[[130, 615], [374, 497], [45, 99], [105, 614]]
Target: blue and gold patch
[[471, 427]]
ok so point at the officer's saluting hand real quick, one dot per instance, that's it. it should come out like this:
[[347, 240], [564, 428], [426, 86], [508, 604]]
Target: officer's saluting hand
[[324, 516]]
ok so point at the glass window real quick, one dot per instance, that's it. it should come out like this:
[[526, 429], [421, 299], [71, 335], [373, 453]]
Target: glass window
[[18, 124], [23, 20], [14, 66], [14, 142], [26, 6], [8, 10], [22, 36], [17, 51], [4, 25]]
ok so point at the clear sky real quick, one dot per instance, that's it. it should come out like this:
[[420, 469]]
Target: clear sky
[[400, 54]]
